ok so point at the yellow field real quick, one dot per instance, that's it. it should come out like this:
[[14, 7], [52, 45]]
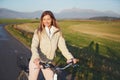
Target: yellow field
[[102, 30]]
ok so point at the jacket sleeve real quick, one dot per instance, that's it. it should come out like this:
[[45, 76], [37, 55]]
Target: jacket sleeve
[[34, 45], [63, 48]]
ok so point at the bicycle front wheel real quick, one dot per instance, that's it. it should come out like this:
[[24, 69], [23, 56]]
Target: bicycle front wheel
[[23, 76], [61, 75]]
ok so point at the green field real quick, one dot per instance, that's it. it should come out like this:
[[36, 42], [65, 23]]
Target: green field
[[95, 43], [17, 21]]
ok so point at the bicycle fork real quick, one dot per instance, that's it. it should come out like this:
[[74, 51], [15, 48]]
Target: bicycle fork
[[55, 76]]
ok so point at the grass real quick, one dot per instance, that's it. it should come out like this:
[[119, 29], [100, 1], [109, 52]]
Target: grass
[[16, 21], [73, 33], [95, 43]]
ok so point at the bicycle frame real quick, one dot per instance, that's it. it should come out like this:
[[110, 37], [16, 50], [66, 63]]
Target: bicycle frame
[[57, 69]]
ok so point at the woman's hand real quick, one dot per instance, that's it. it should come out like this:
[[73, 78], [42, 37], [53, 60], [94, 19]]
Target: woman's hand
[[74, 60], [36, 62]]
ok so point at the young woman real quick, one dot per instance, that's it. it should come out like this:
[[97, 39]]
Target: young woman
[[45, 41]]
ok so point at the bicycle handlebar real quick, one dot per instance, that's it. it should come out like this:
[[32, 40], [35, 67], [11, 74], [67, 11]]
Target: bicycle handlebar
[[47, 65]]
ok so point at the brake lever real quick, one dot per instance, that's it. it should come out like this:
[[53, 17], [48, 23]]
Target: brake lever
[[75, 65]]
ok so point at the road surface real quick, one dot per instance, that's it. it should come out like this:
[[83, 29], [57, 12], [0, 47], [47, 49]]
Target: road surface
[[10, 48]]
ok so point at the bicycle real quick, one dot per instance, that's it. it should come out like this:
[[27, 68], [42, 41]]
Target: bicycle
[[57, 70], [25, 71]]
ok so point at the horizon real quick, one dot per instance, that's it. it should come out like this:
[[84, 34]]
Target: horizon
[[66, 14], [58, 6]]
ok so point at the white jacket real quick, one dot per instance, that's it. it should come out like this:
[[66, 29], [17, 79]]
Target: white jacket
[[48, 46]]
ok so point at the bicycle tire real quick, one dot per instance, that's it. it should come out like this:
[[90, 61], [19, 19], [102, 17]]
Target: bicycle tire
[[23, 76], [61, 75]]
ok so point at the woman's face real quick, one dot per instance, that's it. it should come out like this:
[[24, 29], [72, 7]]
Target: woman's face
[[47, 20]]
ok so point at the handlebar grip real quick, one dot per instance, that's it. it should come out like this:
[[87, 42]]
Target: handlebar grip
[[43, 65], [46, 65]]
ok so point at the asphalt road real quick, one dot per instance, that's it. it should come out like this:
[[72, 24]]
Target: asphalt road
[[10, 48]]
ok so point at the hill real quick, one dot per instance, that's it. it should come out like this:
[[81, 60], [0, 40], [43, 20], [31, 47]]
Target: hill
[[73, 13], [105, 18]]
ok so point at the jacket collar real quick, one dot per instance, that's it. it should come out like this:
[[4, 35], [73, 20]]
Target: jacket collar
[[54, 30]]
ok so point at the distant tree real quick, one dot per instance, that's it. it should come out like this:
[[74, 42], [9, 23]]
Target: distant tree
[[36, 18], [104, 18]]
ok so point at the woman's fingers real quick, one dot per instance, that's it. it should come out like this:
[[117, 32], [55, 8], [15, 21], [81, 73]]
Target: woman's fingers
[[36, 61], [74, 60], [69, 61]]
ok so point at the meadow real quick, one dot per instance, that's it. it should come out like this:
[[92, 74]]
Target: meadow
[[95, 43]]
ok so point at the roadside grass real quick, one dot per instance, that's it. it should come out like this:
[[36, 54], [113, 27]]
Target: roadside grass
[[28, 27], [19, 35], [99, 55], [22, 37]]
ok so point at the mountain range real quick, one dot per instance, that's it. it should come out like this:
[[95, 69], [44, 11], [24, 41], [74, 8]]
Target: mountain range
[[73, 13]]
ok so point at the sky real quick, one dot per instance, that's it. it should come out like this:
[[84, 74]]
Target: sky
[[59, 5]]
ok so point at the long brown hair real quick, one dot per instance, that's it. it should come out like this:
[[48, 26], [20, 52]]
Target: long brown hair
[[54, 22]]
